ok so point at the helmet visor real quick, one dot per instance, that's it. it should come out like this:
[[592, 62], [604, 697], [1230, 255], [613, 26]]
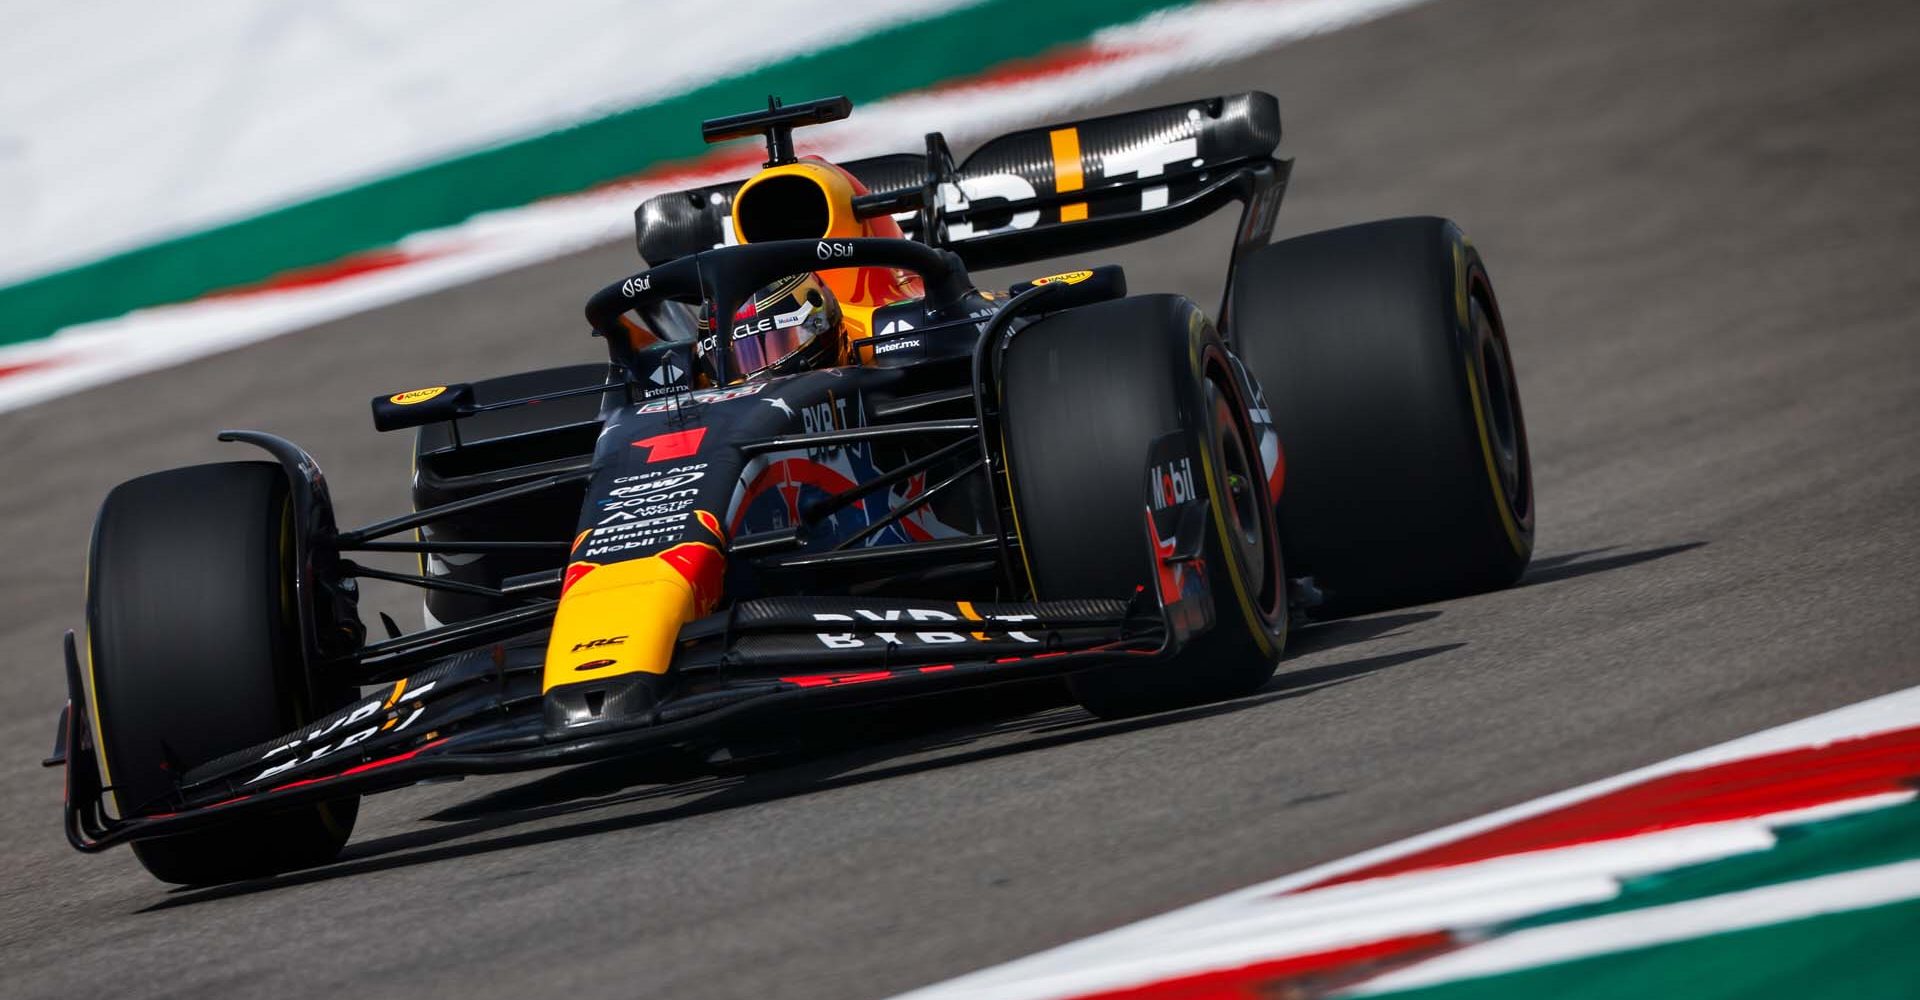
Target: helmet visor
[[783, 320], [765, 340]]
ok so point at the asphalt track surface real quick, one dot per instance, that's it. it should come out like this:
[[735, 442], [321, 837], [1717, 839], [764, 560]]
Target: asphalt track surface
[[1703, 225]]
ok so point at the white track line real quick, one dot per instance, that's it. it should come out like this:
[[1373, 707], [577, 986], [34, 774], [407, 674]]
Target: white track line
[[1152, 49], [1147, 951], [1617, 932]]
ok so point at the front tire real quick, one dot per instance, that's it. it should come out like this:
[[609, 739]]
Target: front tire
[[1086, 392], [193, 651]]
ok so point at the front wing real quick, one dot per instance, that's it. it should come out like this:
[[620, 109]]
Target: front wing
[[479, 712]]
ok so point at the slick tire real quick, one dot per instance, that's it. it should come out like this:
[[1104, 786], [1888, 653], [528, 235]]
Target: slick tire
[[192, 649], [1385, 365], [1085, 394]]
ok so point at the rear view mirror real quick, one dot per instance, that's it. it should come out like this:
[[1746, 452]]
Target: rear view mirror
[[422, 406], [1079, 288]]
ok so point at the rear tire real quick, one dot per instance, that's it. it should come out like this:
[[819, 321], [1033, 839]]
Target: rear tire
[[193, 651], [1385, 365], [1086, 392]]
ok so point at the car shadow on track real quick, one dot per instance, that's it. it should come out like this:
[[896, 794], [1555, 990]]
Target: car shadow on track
[[607, 785], [1322, 636], [1575, 564]]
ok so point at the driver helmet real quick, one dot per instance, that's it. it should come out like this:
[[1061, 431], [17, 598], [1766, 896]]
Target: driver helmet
[[791, 325]]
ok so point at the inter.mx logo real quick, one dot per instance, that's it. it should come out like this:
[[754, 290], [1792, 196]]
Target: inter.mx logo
[[668, 372]]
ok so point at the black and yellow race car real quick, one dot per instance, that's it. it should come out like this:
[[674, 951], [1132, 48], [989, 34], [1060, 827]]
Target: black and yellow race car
[[820, 467]]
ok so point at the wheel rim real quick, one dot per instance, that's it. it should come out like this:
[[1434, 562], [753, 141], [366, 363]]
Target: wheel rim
[[1242, 502], [1246, 509], [1500, 409]]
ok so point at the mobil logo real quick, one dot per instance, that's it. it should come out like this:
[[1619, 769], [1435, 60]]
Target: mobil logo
[[1173, 483]]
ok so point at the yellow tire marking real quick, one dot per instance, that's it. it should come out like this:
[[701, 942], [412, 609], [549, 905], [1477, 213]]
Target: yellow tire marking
[[1507, 520], [1215, 489], [1013, 507], [1460, 287], [1493, 476], [394, 698], [92, 694]]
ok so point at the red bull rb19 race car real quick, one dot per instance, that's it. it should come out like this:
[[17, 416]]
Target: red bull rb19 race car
[[819, 468]]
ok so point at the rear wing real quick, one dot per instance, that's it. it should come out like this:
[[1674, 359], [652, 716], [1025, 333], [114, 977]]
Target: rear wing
[[1043, 192]]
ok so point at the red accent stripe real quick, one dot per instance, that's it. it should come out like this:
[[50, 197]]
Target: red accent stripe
[[351, 266], [704, 569], [708, 168], [1742, 789], [698, 168], [1266, 980], [1056, 62], [673, 444], [574, 572], [822, 680], [24, 366], [368, 766]]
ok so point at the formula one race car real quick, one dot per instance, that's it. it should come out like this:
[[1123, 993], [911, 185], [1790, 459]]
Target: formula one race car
[[821, 467]]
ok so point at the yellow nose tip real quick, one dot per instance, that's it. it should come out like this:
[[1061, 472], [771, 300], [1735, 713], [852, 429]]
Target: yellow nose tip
[[617, 618]]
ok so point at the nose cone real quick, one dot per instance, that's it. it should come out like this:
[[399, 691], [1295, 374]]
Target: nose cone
[[614, 634], [628, 697]]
